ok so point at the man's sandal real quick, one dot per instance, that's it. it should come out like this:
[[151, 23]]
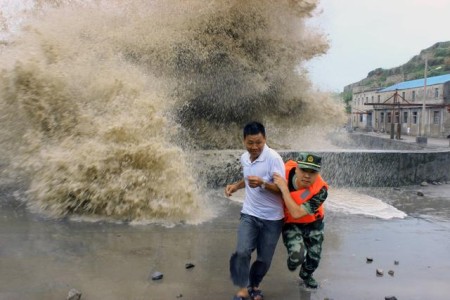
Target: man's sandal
[[256, 294]]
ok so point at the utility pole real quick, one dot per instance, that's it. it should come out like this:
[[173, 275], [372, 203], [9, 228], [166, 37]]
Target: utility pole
[[422, 139]]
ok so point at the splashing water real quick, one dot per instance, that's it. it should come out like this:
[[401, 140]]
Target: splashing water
[[101, 100], [352, 202]]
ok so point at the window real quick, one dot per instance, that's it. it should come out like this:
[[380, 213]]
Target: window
[[405, 117], [413, 95], [436, 93], [397, 117], [389, 117], [403, 95], [379, 98], [372, 99], [367, 99], [414, 117], [436, 117], [382, 117], [360, 117]]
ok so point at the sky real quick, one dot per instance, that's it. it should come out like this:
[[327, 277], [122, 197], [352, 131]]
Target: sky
[[369, 34]]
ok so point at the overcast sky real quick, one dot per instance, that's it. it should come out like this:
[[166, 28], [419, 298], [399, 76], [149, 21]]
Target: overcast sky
[[369, 34], [364, 35]]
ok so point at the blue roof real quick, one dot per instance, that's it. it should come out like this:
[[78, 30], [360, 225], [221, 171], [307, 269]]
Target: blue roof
[[417, 83]]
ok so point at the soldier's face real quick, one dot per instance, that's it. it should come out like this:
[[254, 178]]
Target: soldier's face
[[305, 177]]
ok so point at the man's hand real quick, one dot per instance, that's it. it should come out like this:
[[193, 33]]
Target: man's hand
[[230, 189], [254, 181]]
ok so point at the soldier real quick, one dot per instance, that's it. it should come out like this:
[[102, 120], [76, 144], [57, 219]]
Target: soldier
[[304, 192]]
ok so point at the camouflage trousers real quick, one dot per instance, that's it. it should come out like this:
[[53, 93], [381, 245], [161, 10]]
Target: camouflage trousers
[[304, 245]]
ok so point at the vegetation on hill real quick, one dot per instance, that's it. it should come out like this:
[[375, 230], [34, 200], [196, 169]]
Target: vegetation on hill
[[438, 64]]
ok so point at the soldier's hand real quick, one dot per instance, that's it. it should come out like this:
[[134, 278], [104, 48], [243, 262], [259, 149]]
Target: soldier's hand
[[280, 181]]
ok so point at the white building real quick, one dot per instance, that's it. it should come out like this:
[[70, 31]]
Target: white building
[[399, 108]]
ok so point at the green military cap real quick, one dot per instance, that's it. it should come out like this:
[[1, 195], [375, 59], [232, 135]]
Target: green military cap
[[309, 161]]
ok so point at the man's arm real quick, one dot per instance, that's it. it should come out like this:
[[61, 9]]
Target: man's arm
[[231, 188], [277, 166], [256, 181], [271, 187]]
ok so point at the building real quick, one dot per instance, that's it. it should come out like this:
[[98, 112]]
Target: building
[[399, 108]]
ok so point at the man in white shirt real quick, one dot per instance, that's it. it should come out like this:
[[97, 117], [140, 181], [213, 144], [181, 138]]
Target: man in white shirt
[[261, 215]]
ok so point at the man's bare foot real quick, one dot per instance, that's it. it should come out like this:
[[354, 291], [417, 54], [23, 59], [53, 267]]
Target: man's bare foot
[[241, 294]]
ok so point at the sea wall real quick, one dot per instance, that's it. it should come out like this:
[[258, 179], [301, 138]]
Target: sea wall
[[340, 168], [363, 141]]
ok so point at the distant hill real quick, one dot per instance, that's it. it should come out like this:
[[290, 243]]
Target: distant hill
[[438, 62]]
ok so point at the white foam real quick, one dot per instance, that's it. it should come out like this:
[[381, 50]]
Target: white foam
[[351, 202]]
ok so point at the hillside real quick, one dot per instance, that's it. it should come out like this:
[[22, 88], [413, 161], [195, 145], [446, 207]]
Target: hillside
[[438, 62]]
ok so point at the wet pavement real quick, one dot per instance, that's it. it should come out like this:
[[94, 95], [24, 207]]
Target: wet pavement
[[44, 259]]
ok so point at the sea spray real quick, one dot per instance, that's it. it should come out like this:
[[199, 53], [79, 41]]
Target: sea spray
[[103, 100], [105, 154]]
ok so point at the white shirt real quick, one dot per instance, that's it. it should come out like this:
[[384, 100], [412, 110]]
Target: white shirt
[[259, 202]]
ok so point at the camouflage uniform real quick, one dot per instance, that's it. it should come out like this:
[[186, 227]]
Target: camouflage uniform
[[304, 246], [303, 241]]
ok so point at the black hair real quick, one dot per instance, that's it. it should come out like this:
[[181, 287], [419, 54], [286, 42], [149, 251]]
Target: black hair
[[254, 128]]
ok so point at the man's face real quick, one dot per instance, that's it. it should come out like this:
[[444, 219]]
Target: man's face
[[305, 177], [254, 145]]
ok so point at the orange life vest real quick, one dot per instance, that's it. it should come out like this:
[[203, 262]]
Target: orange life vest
[[303, 195]]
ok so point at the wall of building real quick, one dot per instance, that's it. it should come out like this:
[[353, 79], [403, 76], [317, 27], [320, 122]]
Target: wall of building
[[362, 116], [379, 118]]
